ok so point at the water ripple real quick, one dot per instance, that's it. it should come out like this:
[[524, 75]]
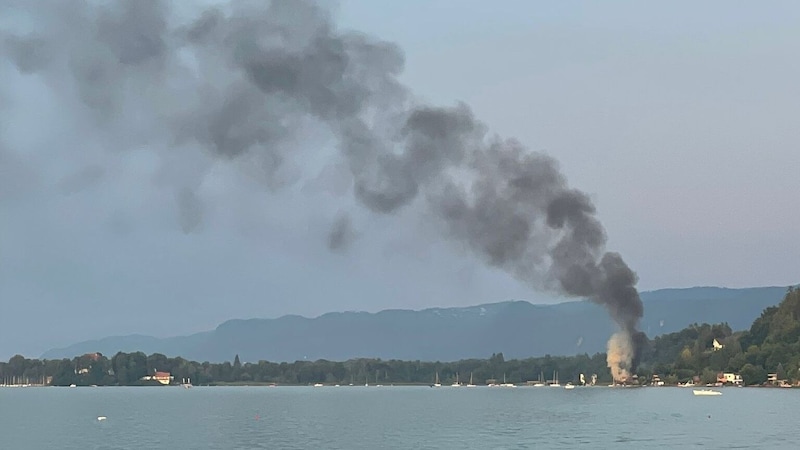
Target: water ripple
[[391, 417]]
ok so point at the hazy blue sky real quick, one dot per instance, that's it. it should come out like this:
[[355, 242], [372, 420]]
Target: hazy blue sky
[[678, 119]]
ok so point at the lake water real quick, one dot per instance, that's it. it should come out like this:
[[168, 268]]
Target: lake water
[[395, 417]]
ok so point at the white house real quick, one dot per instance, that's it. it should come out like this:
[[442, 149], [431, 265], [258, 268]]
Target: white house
[[161, 377], [729, 378]]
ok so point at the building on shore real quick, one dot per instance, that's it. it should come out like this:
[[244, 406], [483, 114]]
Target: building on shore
[[161, 377]]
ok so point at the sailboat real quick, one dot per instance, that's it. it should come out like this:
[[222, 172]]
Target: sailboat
[[470, 381], [555, 380], [505, 384], [436, 383], [540, 382], [456, 384]]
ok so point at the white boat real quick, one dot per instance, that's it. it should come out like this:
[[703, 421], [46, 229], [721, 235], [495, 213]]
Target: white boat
[[540, 382], [456, 384], [569, 386], [704, 392], [318, 384], [555, 380], [470, 381], [505, 384], [437, 383]]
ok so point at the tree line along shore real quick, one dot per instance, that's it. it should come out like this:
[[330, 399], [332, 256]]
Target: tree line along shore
[[766, 354]]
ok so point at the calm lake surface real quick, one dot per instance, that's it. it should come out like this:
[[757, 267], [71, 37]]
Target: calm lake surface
[[395, 417]]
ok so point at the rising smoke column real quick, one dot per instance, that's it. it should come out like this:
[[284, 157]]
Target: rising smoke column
[[240, 82]]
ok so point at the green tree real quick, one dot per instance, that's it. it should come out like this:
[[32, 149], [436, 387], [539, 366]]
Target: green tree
[[736, 363], [98, 372], [64, 373], [119, 364], [753, 374], [708, 376], [137, 367], [157, 363]]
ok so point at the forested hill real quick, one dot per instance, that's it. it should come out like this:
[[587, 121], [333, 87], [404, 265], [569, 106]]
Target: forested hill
[[518, 329], [770, 345]]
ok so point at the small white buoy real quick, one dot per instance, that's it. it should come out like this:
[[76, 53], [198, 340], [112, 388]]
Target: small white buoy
[[101, 417]]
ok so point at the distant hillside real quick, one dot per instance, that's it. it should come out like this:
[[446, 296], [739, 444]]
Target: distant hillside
[[518, 329]]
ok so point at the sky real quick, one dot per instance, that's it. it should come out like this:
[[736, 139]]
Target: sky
[[676, 120]]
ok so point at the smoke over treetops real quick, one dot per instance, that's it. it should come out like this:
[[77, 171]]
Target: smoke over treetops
[[244, 81]]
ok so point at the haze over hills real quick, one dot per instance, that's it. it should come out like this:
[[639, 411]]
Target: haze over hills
[[518, 329]]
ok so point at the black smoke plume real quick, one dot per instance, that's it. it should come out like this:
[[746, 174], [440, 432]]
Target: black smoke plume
[[240, 81]]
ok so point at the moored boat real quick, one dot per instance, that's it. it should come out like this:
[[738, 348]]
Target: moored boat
[[706, 392]]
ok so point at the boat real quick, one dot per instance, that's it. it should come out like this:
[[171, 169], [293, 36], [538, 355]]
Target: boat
[[186, 383], [456, 384], [318, 384], [470, 381], [540, 382], [569, 386], [555, 380], [705, 392], [505, 384], [437, 383]]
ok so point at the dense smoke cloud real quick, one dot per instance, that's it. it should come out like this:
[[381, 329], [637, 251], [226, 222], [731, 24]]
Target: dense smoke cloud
[[242, 82]]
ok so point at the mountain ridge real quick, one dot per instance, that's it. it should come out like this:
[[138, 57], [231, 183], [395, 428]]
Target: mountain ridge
[[515, 327]]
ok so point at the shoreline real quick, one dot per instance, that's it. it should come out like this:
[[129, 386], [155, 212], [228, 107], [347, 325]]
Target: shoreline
[[421, 385]]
